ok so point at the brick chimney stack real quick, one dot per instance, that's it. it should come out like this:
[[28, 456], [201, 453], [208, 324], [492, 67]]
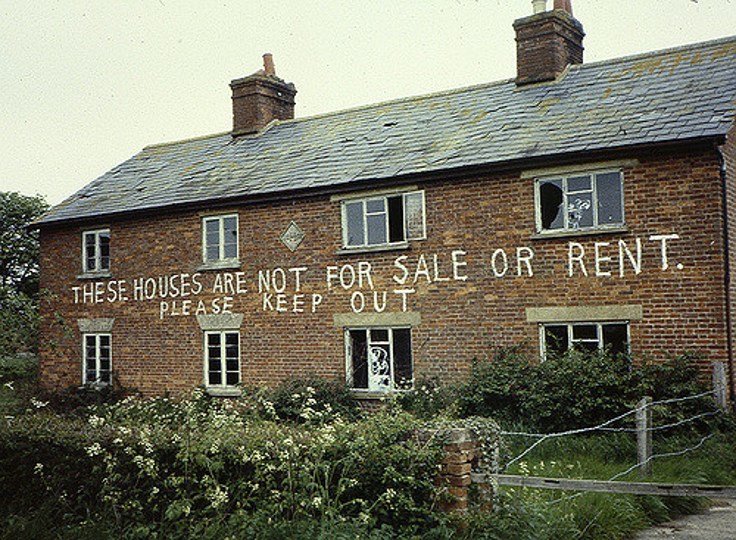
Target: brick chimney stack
[[260, 98], [547, 42]]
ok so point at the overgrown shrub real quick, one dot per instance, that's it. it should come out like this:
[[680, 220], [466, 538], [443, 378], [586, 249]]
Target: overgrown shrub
[[12, 368], [428, 399], [164, 468], [576, 389], [18, 383], [309, 399], [497, 388]]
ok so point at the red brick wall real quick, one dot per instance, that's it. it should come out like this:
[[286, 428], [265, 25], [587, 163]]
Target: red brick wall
[[668, 193]]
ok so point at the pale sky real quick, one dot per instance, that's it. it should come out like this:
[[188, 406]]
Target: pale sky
[[84, 85]]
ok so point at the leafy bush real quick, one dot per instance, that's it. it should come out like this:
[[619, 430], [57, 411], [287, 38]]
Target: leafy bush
[[428, 399], [164, 468], [13, 368], [574, 390], [309, 399], [18, 378], [497, 388]]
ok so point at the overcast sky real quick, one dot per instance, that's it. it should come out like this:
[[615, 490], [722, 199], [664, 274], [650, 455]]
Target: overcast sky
[[84, 85]]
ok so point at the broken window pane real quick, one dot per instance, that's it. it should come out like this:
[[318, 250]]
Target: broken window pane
[[402, 358], [97, 359], [359, 358], [220, 238], [380, 358], [550, 200], [615, 339], [104, 239], [591, 337], [96, 251], [580, 202], [555, 340]]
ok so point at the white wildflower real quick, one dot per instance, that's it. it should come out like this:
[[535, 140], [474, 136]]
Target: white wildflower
[[96, 421], [94, 450], [38, 403]]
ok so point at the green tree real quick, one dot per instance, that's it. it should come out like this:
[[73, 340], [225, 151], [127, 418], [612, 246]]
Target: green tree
[[19, 272], [18, 243]]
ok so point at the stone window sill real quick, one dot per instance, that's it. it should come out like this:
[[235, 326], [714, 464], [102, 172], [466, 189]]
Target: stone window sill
[[95, 275], [369, 395], [579, 232], [219, 265], [399, 246], [227, 391]]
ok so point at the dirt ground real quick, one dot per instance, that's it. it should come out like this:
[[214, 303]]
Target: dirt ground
[[717, 523]]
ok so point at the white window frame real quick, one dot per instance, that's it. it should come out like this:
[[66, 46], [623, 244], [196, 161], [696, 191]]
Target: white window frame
[[85, 358], [567, 228], [223, 360], [98, 260], [373, 385], [220, 219], [383, 197], [570, 341]]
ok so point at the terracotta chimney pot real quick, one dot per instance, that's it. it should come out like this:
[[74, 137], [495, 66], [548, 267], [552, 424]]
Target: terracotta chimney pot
[[268, 66]]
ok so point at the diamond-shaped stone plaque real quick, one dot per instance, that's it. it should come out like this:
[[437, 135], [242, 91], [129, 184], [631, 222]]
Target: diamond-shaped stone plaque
[[292, 236]]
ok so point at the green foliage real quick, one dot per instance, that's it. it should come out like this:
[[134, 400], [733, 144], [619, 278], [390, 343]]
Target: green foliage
[[428, 399], [18, 272], [310, 399], [574, 390], [165, 468], [18, 243], [497, 388], [18, 323], [13, 368], [18, 375]]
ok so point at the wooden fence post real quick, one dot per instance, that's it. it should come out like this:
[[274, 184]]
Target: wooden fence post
[[719, 385], [644, 434]]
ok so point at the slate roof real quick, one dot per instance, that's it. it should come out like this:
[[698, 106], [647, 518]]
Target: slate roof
[[672, 95]]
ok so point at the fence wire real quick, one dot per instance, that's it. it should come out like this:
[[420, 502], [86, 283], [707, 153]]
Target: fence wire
[[605, 426]]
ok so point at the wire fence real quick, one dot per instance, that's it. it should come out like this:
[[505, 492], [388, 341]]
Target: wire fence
[[644, 432]]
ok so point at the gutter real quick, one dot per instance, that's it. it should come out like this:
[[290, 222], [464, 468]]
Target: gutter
[[727, 273]]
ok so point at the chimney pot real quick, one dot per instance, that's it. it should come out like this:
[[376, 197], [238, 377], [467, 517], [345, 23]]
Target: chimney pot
[[539, 6], [268, 66], [564, 5]]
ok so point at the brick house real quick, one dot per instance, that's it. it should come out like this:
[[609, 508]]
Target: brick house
[[578, 204]]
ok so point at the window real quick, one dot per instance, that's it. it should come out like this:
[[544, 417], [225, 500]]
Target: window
[[383, 220], [97, 353], [379, 359], [610, 336], [96, 251], [580, 202], [220, 239], [222, 359]]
